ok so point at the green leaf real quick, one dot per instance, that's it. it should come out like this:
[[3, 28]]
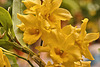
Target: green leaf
[[12, 61], [2, 32], [6, 44], [17, 8], [6, 21]]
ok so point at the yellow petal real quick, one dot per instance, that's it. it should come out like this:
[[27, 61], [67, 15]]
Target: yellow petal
[[85, 20], [21, 27], [2, 62], [55, 4], [86, 63], [35, 7], [70, 40], [31, 35], [43, 49], [6, 61], [86, 52], [61, 14], [91, 37], [56, 58], [74, 53], [29, 20], [27, 11], [83, 28], [53, 37], [68, 64], [31, 3], [67, 29]]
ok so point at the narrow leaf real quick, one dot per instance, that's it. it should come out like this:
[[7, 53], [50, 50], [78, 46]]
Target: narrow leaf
[[6, 44], [17, 8], [6, 21]]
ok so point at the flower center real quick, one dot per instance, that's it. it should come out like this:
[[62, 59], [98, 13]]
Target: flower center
[[33, 31], [59, 52]]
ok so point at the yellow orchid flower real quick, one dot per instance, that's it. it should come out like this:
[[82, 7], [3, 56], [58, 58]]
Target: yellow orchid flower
[[4, 62], [50, 11], [82, 64], [61, 47], [84, 39], [31, 34], [30, 27]]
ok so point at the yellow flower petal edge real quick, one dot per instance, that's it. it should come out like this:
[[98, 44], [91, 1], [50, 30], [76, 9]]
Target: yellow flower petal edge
[[86, 52], [82, 64], [21, 26], [83, 28], [29, 20], [61, 14], [43, 49], [91, 37], [55, 4], [67, 29], [27, 11]]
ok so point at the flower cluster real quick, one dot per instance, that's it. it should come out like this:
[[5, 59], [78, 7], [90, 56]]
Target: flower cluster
[[65, 46]]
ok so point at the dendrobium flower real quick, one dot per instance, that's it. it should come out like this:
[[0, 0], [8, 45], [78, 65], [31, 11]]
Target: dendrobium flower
[[68, 39], [61, 47], [4, 62], [84, 39], [50, 11], [30, 28]]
